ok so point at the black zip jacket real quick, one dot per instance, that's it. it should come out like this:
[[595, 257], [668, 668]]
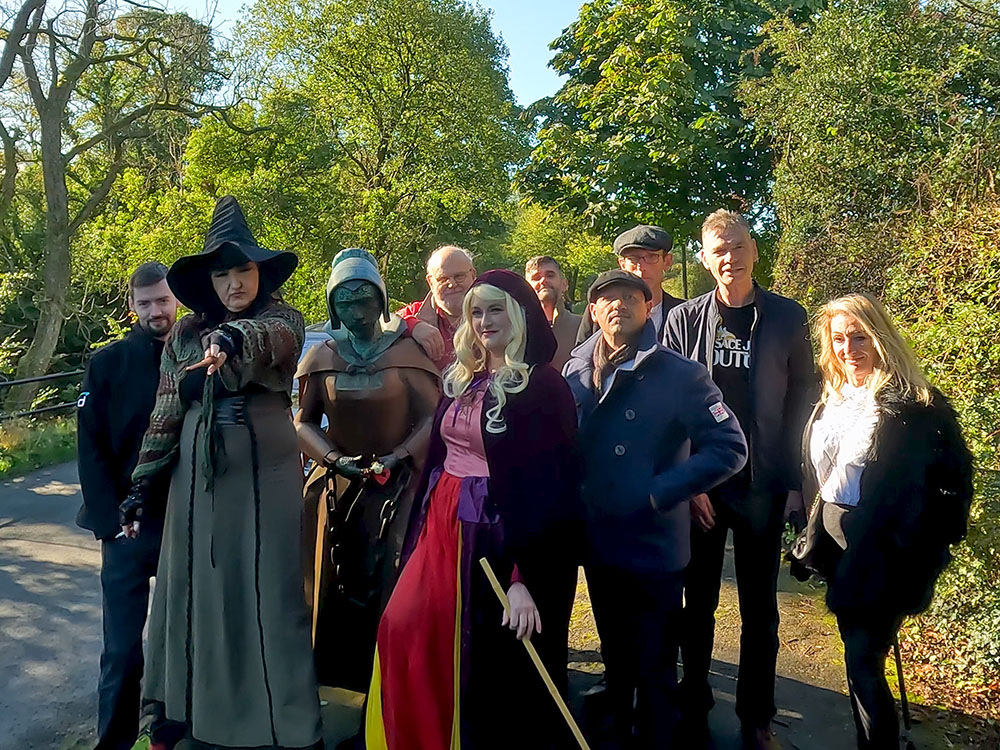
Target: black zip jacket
[[783, 381], [119, 389]]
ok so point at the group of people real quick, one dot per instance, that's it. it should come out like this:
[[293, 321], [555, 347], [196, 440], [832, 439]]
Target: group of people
[[487, 421]]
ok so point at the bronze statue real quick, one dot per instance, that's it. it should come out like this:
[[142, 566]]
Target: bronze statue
[[378, 392]]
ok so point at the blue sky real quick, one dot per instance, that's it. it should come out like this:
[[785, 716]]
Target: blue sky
[[527, 26]]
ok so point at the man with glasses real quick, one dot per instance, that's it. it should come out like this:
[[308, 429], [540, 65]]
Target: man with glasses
[[643, 251], [433, 320]]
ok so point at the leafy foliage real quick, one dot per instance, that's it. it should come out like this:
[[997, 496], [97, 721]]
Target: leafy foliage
[[884, 120], [875, 110], [647, 128], [391, 122], [945, 293]]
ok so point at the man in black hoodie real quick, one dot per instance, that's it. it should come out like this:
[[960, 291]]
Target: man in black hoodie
[[113, 411]]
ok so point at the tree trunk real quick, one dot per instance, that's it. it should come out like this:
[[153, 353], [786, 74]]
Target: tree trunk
[[56, 270]]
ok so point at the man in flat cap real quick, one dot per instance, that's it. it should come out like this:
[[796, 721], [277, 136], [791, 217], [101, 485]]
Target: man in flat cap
[[644, 452], [644, 251]]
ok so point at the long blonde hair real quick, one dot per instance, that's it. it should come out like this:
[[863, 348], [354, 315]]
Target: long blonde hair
[[896, 365], [471, 356]]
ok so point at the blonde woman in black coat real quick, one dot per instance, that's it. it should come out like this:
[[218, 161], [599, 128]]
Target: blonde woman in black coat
[[888, 479]]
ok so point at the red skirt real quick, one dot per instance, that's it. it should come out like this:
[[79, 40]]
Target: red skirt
[[414, 695]]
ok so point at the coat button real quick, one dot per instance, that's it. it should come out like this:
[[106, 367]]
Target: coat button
[[640, 376], [619, 450], [629, 414]]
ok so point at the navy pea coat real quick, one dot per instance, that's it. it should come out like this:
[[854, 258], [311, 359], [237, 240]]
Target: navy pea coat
[[659, 434]]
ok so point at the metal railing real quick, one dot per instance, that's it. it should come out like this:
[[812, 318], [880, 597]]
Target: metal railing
[[40, 379]]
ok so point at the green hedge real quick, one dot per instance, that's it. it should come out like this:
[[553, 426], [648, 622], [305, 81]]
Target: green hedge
[[945, 293]]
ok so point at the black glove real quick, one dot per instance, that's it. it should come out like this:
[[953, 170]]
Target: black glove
[[132, 507], [346, 466]]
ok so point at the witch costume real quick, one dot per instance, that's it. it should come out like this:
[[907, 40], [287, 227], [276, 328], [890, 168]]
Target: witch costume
[[378, 397], [228, 652], [447, 675]]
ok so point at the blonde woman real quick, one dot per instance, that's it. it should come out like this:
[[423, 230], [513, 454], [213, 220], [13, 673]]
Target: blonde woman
[[889, 481], [499, 482]]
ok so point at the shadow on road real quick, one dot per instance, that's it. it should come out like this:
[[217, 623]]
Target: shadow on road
[[50, 614]]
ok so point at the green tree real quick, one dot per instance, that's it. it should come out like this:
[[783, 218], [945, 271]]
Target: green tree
[[396, 113], [647, 127], [85, 83], [875, 110]]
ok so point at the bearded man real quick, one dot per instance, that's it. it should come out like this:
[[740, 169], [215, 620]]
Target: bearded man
[[117, 397]]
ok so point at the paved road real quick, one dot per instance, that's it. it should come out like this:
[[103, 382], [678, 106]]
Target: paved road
[[50, 631], [50, 613]]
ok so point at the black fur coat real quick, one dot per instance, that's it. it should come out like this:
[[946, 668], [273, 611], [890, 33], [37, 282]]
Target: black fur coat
[[915, 495]]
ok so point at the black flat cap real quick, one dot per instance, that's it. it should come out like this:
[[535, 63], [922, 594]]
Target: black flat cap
[[645, 237], [618, 276]]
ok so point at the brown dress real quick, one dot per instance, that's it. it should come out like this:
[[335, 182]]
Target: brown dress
[[228, 648], [354, 529]]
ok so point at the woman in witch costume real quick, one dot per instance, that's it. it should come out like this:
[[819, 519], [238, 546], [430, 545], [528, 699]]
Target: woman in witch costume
[[499, 482], [228, 656]]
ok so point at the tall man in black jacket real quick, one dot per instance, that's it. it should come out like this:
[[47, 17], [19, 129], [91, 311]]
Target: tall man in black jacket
[[756, 347], [113, 411]]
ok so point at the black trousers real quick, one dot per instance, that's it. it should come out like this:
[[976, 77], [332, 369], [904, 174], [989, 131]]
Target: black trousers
[[126, 567], [867, 640], [638, 621], [757, 552]]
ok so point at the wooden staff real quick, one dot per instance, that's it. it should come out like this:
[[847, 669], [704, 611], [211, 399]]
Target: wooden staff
[[553, 691]]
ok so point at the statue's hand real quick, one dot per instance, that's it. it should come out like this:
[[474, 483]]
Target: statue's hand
[[347, 467], [389, 461]]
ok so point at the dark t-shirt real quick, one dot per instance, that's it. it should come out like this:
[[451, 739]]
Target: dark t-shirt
[[731, 372]]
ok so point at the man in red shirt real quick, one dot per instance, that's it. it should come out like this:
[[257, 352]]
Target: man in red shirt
[[433, 320]]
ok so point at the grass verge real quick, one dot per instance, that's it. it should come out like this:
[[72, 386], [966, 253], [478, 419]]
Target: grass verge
[[29, 444]]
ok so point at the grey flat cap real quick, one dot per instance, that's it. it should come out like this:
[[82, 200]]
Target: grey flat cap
[[645, 237]]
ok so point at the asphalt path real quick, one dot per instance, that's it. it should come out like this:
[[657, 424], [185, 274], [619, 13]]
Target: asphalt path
[[50, 614]]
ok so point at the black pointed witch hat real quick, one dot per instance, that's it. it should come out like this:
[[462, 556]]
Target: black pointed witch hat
[[228, 242]]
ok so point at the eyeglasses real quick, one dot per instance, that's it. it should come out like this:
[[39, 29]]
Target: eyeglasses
[[458, 279], [642, 259]]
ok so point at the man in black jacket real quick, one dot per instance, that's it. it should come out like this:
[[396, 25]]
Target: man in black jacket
[[653, 432], [756, 347], [643, 251], [113, 411]]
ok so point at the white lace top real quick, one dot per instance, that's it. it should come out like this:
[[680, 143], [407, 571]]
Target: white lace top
[[839, 444]]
